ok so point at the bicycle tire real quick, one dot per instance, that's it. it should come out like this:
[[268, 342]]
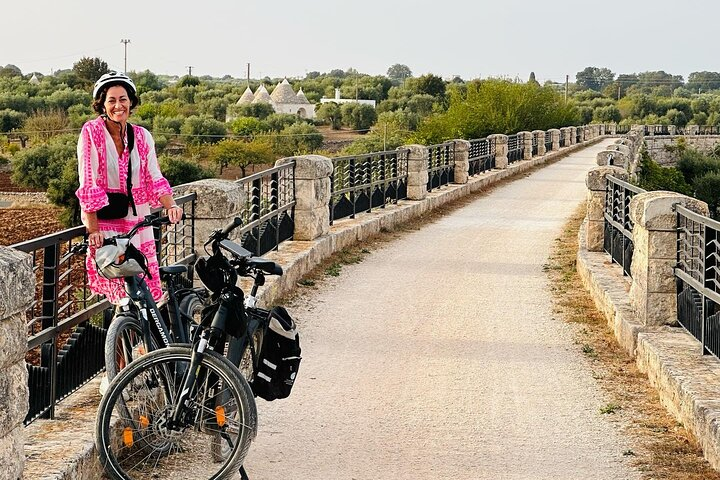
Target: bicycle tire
[[124, 342], [132, 436], [192, 306]]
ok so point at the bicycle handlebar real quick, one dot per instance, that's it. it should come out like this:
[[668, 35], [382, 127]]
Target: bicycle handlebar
[[148, 221]]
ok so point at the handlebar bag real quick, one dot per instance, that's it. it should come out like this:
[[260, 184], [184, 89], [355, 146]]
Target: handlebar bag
[[227, 312], [279, 358]]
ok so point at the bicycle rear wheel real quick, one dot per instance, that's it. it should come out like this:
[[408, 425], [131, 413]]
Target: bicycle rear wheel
[[123, 344], [136, 437]]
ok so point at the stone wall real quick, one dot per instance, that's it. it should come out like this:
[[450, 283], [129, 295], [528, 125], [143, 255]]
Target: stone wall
[[17, 287], [657, 146]]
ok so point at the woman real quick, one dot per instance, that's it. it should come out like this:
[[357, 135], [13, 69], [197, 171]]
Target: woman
[[103, 160]]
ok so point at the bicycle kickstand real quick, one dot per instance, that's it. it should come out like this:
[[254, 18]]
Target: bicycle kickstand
[[243, 473]]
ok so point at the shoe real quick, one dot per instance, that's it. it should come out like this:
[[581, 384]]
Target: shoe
[[104, 384]]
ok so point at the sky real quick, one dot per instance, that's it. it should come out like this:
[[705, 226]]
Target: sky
[[282, 38]]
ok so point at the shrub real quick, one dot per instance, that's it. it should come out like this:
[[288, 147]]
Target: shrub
[[61, 192], [11, 120], [35, 167], [655, 177], [297, 139], [203, 130], [178, 170]]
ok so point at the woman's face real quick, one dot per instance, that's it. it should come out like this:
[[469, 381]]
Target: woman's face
[[117, 103]]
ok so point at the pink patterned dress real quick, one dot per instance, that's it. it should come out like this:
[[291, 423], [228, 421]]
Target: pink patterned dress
[[102, 170]]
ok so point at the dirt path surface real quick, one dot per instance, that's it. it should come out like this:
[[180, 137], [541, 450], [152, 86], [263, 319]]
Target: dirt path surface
[[438, 356]]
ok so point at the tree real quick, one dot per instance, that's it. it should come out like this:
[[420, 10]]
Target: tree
[[88, 70], [45, 124], [178, 170], [297, 139], [703, 81], [10, 120], [203, 130], [707, 189], [431, 84], [10, 70], [358, 116], [594, 78], [189, 81], [496, 106], [241, 153], [399, 72], [147, 81], [532, 79], [330, 113], [61, 192], [35, 167]]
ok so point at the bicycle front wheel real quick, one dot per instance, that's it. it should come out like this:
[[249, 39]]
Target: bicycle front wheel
[[138, 438], [123, 344]]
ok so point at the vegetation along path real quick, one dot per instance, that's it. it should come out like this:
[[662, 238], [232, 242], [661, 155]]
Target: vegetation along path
[[438, 356]]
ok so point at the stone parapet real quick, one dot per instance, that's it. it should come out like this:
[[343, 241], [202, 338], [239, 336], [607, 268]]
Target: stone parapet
[[218, 202], [653, 293], [312, 195], [501, 150], [17, 288], [573, 135], [527, 140], [555, 134], [540, 139], [462, 165], [418, 156]]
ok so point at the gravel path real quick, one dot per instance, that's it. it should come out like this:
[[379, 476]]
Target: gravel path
[[438, 356]]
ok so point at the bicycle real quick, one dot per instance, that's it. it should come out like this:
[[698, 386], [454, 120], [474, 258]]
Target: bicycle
[[131, 333], [159, 412]]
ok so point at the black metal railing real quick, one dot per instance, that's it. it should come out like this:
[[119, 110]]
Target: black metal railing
[[535, 149], [440, 165], [268, 209], [481, 155], [618, 239], [579, 134], [362, 182], [563, 138], [622, 129], [708, 130], [516, 148], [66, 323], [697, 274], [657, 130], [548, 142]]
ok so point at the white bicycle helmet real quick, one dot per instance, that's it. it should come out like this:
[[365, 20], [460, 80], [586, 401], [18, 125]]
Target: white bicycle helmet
[[120, 260], [113, 78]]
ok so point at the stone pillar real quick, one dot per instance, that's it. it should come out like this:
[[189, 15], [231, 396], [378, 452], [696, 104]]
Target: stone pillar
[[526, 138], [555, 139], [218, 202], [672, 129], [17, 290], [612, 129], [312, 195], [653, 292], [462, 165], [417, 172], [501, 150], [540, 139], [573, 135], [611, 156], [596, 182]]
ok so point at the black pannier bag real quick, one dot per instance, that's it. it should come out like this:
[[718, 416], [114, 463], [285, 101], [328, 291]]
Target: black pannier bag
[[279, 357]]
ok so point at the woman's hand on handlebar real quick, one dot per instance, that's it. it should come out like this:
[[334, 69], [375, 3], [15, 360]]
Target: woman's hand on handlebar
[[175, 214], [95, 239]]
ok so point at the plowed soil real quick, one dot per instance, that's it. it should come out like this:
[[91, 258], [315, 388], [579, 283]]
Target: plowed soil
[[20, 224]]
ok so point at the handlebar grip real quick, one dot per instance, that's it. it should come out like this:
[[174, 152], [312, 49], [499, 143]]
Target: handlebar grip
[[237, 221]]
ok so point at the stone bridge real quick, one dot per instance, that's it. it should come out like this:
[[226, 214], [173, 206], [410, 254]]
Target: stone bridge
[[438, 355]]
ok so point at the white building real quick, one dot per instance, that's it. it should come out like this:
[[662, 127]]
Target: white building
[[283, 100], [339, 100]]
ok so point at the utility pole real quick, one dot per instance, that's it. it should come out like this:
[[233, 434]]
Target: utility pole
[[618, 91], [248, 74], [125, 41], [189, 67], [567, 79]]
